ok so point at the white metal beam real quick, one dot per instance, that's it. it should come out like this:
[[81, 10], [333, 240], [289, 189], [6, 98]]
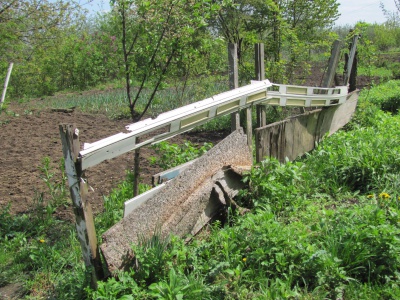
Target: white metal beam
[[187, 117]]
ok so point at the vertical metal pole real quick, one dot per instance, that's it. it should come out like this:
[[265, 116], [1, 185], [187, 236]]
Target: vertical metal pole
[[85, 228], [233, 80], [3, 96]]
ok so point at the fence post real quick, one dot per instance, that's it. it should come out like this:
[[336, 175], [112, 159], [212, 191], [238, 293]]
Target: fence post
[[136, 170], [351, 65], [85, 228], [332, 65], [233, 80], [260, 75], [3, 95]]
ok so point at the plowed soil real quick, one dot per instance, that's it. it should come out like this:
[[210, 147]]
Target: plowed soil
[[26, 137]]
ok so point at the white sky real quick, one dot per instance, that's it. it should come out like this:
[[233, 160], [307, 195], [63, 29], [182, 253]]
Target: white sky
[[369, 11], [351, 11]]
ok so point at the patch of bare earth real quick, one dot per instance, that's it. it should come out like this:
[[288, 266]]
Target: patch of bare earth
[[11, 291], [28, 138]]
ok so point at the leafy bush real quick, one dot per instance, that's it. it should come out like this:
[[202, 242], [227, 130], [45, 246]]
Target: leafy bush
[[172, 155], [395, 67], [358, 160], [385, 96], [274, 184]]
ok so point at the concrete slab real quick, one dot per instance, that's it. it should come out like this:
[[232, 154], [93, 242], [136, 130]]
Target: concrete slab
[[178, 206]]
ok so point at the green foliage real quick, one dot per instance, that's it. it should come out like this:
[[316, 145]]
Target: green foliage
[[172, 155], [56, 188], [274, 184], [395, 68], [125, 288], [385, 96], [178, 286], [353, 160], [114, 203], [151, 258]]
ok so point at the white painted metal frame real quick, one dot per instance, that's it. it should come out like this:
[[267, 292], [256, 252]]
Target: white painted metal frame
[[301, 96], [187, 117], [178, 120]]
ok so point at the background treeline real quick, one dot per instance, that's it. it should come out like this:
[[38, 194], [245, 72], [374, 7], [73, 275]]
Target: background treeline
[[57, 45]]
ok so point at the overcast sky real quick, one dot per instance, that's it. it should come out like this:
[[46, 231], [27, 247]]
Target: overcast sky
[[351, 10], [363, 10]]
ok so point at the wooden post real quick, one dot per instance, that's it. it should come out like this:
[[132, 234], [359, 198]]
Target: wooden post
[[233, 80], [333, 64], [260, 75], [3, 96], [350, 68], [249, 127], [83, 213], [136, 170]]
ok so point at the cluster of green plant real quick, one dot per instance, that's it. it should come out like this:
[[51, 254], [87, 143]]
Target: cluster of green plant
[[40, 251], [113, 103], [372, 103], [172, 155], [114, 203], [385, 96]]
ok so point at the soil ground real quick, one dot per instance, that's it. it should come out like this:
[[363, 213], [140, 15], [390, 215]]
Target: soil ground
[[29, 136]]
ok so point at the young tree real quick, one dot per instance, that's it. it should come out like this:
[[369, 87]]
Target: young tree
[[29, 31], [291, 25], [154, 34]]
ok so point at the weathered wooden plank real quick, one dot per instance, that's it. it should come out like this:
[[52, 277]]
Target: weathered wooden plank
[[295, 136], [233, 71], [351, 59], [83, 217], [249, 128], [341, 115], [333, 64], [260, 75], [92, 237]]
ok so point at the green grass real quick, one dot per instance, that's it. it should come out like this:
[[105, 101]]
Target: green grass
[[383, 73]]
